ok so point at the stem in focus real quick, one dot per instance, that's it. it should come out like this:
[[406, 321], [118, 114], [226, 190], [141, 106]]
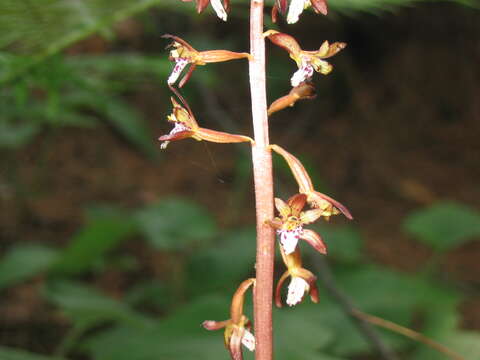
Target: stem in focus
[[262, 172]]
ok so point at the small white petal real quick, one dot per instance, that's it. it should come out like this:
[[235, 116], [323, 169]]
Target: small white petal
[[302, 74], [177, 70], [248, 340], [289, 239], [218, 7], [178, 128], [295, 9], [296, 290]]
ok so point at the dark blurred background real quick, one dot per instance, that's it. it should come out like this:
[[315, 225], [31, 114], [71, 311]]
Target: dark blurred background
[[111, 248]]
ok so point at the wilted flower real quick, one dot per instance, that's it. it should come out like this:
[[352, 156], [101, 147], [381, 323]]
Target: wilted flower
[[290, 224], [302, 281], [303, 91], [185, 126], [220, 9], [296, 7], [237, 328], [307, 61], [316, 199], [183, 54]]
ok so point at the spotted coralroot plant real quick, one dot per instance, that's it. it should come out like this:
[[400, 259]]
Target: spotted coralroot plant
[[293, 214]]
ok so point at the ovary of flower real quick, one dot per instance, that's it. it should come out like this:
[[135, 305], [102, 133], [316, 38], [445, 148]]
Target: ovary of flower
[[180, 64], [296, 290], [304, 73], [248, 340], [219, 9], [289, 238], [295, 10]]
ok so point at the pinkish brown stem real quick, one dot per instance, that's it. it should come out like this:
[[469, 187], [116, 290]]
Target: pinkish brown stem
[[262, 171]]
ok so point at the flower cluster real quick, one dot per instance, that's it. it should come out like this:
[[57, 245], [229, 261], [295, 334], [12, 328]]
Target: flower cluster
[[301, 209], [294, 9], [237, 328]]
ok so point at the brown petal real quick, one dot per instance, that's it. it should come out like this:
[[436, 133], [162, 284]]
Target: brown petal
[[310, 279], [334, 49], [201, 5], [296, 203], [282, 103], [236, 308], [298, 170], [276, 223], [310, 216], [215, 325], [220, 137], [226, 5], [282, 208], [179, 40], [278, 289], [274, 13], [235, 343], [314, 197], [187, 76], [314, 240], [285, 41], [178, 136], [212, 56], [282, 6], [303, 91], [320, 6]]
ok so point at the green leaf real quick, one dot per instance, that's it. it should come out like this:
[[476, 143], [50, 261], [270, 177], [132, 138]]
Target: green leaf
[[7, 353], [130, 124], [465, 343], [220, 266], [384, 293], [299, 333], [444, 226], [442, 325], [175, 224], [179, 337], [86, 305], [24, 262], [344, 243], [13, 136], [93, 241]]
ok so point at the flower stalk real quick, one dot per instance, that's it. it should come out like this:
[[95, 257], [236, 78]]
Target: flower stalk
[[263, 179]]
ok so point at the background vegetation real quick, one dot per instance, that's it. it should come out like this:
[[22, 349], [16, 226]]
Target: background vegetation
[[111, 249]]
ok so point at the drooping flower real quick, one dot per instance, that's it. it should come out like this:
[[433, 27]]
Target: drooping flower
[[290, 224], [237, 328], [302, 281], [183, 54], [307, 61], [220, 8], [185, 126], [296, 7], [303, 91], [316, 199]]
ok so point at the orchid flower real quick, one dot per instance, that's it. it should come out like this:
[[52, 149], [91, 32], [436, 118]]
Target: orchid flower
[[316, 199], [302, 281], [183, 54], [303, 91], [237, 328], [185, 126], [290, 224], [307, 61], [220, 9], [296, 7]]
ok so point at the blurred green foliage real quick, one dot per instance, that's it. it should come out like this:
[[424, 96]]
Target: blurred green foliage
[[212, 262]]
